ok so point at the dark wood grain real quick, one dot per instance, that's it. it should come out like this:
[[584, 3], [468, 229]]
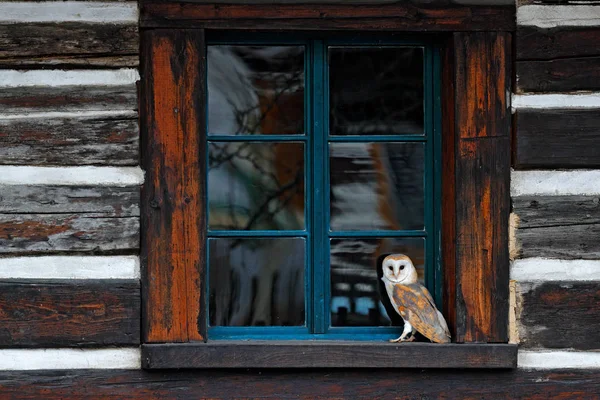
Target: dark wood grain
[[560, 75], [322, 354], [173, 220], [312, 384], [70, 141], [69, 44], [355, 2], [557, 59], [448, 225], [68, 98], [482, 123], [108, 201], [557, 139], [560, 315], [51, 233], [401, 16], [69, 313], [565, 227], [538, 44]]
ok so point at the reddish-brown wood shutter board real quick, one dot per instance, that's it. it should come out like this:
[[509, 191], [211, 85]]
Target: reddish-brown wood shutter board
[[482, 162], [173, 120], [400, 16]]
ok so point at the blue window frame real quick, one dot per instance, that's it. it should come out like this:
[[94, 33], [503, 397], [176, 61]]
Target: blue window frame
[[314, 236]]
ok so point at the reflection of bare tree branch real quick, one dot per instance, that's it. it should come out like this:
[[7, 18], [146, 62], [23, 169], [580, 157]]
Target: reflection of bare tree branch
[[264, 206], [241, 115], [260, 173]]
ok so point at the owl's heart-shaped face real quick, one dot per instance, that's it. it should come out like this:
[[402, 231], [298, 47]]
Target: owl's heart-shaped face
[[398, 268]]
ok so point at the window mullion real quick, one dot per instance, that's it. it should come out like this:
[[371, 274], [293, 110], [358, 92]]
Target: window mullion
[[319, 194]]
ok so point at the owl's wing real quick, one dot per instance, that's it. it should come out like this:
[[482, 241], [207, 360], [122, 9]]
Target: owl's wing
[[421, 313]]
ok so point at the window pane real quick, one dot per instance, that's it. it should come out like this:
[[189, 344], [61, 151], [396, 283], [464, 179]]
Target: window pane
[[256, 186], [377, 186], [256, 282], [358, 297], [255, 90], [376, 91]]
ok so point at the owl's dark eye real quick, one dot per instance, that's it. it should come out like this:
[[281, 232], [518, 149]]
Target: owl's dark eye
[[402, 267], [390, 268]]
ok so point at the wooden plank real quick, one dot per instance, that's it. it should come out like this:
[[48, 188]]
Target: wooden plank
[[538, 44], [94, 140], [109, 201], [69, 313], [339, 354], [356, 2], [69, 44], [560, 315], [557, 139], [482, 69], [15, 100], [173, 125], [398, 16], [561, 75], [482, 61], [563, 227], [448, 187], [308, 384], [45, 233]]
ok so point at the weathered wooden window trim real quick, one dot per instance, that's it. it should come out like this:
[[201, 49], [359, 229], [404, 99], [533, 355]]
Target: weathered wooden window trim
[[475, 195]]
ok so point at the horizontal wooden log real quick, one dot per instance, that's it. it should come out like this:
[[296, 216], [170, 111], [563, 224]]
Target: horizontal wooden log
[[562, 227], [534, 43], [109, 201], [325, 354], [15, 100], [559, 315], [557, 139], [101, 140], [69, 44], [561, 75], [45, 233], [398, 16], [311, 384], [69, 313], [356, 2]]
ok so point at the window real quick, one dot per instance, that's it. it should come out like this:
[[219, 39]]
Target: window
[[471, 239], [321, 159]]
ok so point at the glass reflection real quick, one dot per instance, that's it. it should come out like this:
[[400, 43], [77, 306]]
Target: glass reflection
[[256, 282], [376, 91], [256, 186], [358, 297], [377, 186], [255, 90]]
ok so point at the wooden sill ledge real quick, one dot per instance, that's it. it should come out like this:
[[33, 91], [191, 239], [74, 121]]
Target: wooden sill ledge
[[327, 354]]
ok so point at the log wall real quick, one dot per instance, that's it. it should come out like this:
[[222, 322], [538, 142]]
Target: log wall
[[70, 295], [556, 182]]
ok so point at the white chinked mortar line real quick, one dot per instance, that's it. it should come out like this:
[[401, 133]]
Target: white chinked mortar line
[[548, 16], [70, 267], [11, 78], [70, 115], [558, 359], [71, 176], [69, 11], [553, 270], [50, 359], [555, 183], [550, 101]]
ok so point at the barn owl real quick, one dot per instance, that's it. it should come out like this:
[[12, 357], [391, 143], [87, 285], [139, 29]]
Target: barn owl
[[412, 301]]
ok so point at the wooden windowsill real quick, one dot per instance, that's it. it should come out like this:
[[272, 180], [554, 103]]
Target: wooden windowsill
[[327, 354]]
